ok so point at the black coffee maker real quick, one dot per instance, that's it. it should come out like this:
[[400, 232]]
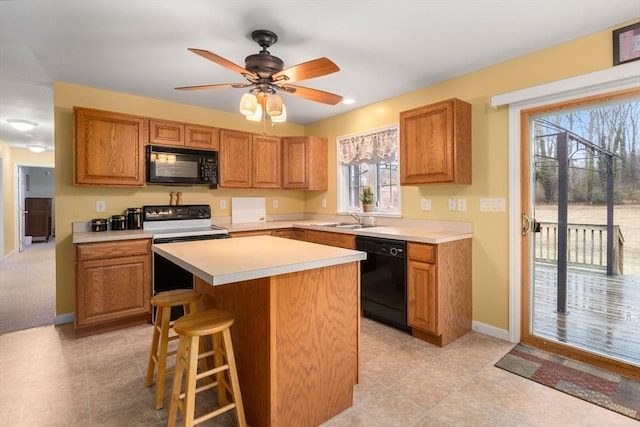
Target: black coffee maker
[[134, 218]]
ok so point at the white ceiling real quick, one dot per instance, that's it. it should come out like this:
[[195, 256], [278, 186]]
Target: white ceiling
[[384, 48]]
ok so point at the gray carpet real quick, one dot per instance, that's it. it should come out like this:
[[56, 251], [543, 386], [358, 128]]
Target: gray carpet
[[27, 287]]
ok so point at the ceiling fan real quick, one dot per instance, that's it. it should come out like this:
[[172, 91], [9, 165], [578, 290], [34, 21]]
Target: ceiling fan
[[266, 74]]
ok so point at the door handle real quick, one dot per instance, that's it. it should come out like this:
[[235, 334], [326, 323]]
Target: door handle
[[530, 225]]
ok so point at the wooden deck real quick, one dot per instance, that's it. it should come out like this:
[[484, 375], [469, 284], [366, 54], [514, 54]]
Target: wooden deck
[[604, 312]]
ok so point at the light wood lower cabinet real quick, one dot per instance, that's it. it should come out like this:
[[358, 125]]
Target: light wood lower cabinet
[[113, 285], [347, 241], [290, 233], [251, 233], [439, 290]]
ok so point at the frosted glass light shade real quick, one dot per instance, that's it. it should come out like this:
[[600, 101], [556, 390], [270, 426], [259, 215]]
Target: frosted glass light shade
[[257, 116], [274, 105], [248, 104], [23, 125], [36, 148], [282, 117]]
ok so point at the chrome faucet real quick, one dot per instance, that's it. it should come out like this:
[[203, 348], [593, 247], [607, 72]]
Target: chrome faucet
[[356, 216]]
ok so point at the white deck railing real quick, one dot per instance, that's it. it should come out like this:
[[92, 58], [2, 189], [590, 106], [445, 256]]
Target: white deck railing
[[586, 246]]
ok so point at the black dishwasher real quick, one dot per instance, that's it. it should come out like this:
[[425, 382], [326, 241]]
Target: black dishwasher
[[383, 281]]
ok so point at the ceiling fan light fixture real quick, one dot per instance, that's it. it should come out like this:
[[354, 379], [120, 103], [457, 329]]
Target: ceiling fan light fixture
[[280, 118], [23, 125], [257, 116], [274, 105], [248, 104]]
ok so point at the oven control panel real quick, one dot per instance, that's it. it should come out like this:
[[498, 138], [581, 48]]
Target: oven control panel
[[175, 212]]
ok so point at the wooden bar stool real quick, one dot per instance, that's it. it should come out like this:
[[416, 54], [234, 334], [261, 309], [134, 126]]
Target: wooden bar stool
[[164, 302], [214, 324]]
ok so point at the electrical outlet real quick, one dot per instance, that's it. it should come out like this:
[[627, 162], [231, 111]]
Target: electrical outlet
[[426, 204], [452, 204], [101, 206], [324, 203], [223, 204], [274, 203], [462, 205]]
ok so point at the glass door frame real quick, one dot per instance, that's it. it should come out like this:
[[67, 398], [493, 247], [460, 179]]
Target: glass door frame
[[526, 238]]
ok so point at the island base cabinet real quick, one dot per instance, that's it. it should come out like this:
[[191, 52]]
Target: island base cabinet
[[113, 285], [439, 291], [296, 338]]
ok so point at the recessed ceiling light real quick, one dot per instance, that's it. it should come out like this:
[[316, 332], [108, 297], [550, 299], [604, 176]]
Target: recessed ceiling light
[[36, 148], [348, 101], [23, 125]]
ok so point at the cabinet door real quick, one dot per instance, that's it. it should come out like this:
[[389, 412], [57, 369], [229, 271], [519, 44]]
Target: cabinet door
[[294, 163], [108, 148], [235, 159], [304, 163], [435, 143], [290, 233], [163, 132], [422, 296], [266, 161], [202, 137], [112, 289], [342, 240]]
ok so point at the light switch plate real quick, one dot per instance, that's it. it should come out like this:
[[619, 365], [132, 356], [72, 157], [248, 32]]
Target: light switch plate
[[462, 205], [274, 203], [101, 206], [426, 204], [222, 204]]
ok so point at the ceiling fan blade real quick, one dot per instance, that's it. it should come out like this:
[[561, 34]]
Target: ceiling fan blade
[[224, 62], [311, 94], [218, 86], [307, 70]]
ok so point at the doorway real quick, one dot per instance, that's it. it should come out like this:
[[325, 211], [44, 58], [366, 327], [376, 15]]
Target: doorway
[[580, 199], [27, 275]]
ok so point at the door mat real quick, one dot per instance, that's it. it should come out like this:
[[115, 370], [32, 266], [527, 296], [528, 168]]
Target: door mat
[[603, 388]]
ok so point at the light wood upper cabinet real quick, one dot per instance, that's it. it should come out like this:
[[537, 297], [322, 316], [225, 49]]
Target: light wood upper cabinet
[[248, 160], [235, 159], [108, 148], [304, 163], [266, 162], [435, 143], [202, 137], [164, 132], [439, 290], [177, 134]]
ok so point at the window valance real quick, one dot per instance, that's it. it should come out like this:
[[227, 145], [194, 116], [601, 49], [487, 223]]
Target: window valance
[[380, 145]]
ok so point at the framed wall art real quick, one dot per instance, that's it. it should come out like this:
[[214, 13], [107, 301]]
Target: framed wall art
[[626, 44]]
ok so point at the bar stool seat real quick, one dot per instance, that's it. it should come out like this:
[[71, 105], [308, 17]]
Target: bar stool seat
[[164, 302], [191, 328]]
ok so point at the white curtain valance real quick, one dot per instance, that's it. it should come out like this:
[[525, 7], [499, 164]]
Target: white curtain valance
[[370, 147]]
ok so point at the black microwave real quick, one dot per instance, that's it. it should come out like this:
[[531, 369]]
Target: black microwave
[[169, 165]]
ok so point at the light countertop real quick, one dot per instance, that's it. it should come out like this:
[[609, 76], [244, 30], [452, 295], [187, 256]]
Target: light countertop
[[223, 261], [411, 231]]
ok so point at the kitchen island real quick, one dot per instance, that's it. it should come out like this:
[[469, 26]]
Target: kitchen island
[[297, 317]]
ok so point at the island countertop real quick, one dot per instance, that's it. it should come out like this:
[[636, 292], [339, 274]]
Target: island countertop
[[222, 261]]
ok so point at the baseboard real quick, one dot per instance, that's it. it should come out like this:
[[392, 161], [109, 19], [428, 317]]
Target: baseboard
[[63, 318], [492, 331]]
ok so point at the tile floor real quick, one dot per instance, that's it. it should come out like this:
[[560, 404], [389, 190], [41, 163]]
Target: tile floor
[[48, 378]]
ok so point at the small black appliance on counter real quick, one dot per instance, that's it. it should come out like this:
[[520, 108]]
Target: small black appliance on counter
[[118, 222], [134, 218], [99, 224]]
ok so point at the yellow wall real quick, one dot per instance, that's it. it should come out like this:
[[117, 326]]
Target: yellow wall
[[11, 157], [490, 155], [490, 160], [77, 204]]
